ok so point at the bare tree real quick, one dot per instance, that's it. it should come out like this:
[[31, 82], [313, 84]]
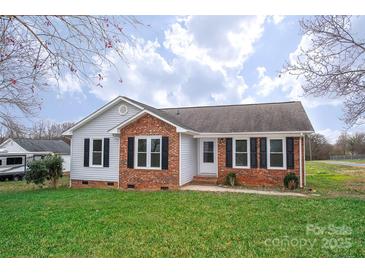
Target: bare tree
[[48, 130], [356, 143], [342, 143], [320, 147], [334, 63], [37, 51]]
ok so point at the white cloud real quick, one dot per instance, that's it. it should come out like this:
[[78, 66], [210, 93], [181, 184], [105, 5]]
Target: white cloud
[[248, 100], [151, 79], [330, 134], [278, 19], [217, 41], [205, 56]]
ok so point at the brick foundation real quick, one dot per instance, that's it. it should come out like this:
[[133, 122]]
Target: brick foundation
[[93, 184], [146, 178], [256, 176]]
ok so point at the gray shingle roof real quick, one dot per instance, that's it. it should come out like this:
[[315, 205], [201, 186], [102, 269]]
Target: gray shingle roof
[[34, 145], [269, 117], [161, 113]]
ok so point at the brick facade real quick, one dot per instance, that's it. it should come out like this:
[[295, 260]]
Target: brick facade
[[147, 178], [93, 184], [256, 176]]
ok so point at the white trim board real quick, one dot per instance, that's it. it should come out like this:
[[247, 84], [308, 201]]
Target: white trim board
[[252, 134], [247, 139], [284, 167]]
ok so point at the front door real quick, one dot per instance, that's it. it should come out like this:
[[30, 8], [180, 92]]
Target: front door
[[208, 156]]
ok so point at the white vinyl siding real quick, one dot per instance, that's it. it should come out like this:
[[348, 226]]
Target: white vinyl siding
[[66, 162], [188, 158], [98, 129]]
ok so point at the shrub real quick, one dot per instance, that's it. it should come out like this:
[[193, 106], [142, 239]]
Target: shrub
[[291, 181], [49, 168], [37, 172], [231, 179], [53, 164]]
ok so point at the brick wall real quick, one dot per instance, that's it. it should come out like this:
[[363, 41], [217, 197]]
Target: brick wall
[[146, 178], [93, 184], [256, 176]]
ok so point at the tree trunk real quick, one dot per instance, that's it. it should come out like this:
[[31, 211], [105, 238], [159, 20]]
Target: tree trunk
[[54, 183]]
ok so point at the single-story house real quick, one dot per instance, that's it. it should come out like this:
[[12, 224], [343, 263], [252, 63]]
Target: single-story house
[[128, 144], [18, 151]]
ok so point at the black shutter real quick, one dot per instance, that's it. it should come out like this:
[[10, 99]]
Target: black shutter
[[86, 152], [263, 155], [106, 152], [253, 152], [165, 153], [228, 152], [130, 154], [290, 152]]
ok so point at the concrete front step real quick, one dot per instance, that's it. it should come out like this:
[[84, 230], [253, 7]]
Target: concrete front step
[[204, 180]]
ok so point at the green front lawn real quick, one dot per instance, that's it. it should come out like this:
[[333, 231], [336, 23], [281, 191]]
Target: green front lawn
[[111, 223], [336, 180], [66, 222]]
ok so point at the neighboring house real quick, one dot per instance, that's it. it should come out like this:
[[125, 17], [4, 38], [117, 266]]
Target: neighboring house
[[16, 152], [127, 144]]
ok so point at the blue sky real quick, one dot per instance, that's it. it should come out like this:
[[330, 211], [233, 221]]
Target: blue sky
[[201, 60]]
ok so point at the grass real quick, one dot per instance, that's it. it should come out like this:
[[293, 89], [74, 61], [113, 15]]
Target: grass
[[16, 186], [110, 223], [336, 180]]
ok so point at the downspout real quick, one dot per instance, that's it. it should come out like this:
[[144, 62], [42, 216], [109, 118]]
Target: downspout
[[179, 159], [70, 184], [300, 161], [119, 157], [305, 172]]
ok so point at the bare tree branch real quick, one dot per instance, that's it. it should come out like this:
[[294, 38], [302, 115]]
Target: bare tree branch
[[334, 64], [38, 51]]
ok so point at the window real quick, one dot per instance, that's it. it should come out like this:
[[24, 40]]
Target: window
[[276, 153], [1, 162], [149, 152], [14, 161], [97, 152], [155, 152], [142, 153], [241, 155], [208, 152]]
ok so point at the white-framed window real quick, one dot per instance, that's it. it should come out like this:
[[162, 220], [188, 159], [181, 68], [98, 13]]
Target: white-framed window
[[148, 152], [241, 153], [96, 152], [276, 153], [208, 152]]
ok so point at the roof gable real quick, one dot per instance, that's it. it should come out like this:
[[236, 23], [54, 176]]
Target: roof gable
[[98, 112]]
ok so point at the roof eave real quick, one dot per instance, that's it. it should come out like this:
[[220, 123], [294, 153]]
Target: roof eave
[[256, 134], [116, 129]]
